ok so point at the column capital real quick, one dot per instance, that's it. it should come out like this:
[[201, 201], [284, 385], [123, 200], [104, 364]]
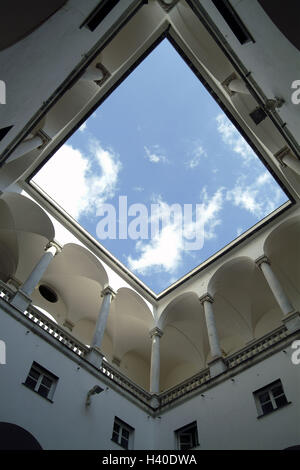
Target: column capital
[[262, 259], [156, 332], [108, 291], [55, 245], [206, 298]]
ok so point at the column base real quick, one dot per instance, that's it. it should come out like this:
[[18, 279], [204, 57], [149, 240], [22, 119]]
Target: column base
[[21, 300], [95, 357], [216, 366], [292, 321]]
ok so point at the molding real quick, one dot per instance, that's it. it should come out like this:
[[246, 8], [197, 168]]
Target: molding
[[108, 291], [206, 298], [156, 332], [54, 244], [262, 259]]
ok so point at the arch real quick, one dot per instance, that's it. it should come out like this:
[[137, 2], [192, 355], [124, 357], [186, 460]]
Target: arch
[[79, 261], [77, 278], [286, 228], [15, 437], [22, 239], [36, 220], [242, 298], [129, 322], [237, 265], [283, 250], [184, 344], [164, 315]]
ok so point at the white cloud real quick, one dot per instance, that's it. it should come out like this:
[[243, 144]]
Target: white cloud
[[80, 183], [138, 189], [83, 127], [165, 250], [211, 208], [155, 155], [259, 198], [233, 139], [197, 156]]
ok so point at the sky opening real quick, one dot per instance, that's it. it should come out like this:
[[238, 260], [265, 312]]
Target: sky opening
[[159, 175]]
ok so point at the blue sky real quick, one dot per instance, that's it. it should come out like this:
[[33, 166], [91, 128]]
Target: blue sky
[[160, 138]]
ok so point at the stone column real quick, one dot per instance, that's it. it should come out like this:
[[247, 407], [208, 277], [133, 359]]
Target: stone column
[[95, 355], [23, 296], [280, 296], [155, 335], [291, 318], [285, 158], [216, 365]]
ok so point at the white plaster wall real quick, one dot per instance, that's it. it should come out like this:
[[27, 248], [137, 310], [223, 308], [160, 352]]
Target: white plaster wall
[[227, 416], [65, 424], [273, 76], [27, 66]]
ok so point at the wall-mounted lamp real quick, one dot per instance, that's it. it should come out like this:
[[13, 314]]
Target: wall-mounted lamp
[[95, 390]]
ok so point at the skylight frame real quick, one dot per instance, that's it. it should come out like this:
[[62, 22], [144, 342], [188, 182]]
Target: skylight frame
[[169, 34]]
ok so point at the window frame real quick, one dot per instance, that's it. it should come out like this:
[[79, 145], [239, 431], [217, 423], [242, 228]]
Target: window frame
[[193, 428], [271, 398], [42, 374], [120, 436]]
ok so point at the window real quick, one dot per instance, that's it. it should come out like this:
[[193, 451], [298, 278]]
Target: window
[[41, 381], [234, 22], [187, 437], [270, 398], [122, 434]]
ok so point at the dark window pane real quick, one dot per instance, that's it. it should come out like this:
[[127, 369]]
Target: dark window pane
[[264, 397], [116, 427], [34, 373], [267, 407], [115, 437], [184, 446], [47, 382], [277, 390], [185, 438], [43, 391], [124, 443], [125, 433], [281, 401], [30, 382]]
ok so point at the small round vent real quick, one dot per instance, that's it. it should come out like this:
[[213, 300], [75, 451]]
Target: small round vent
[[48, 293]]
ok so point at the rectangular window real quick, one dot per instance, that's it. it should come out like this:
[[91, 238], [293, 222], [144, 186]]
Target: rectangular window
[[233, 20], [122, 434], [41, 381], [187, 437], [99, 13], [270, 398]]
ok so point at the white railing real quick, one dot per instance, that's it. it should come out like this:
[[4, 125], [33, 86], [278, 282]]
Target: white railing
[[256, 347], [56, 331], [6, 292], [185, 387], [164, 398], [117, 377]]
